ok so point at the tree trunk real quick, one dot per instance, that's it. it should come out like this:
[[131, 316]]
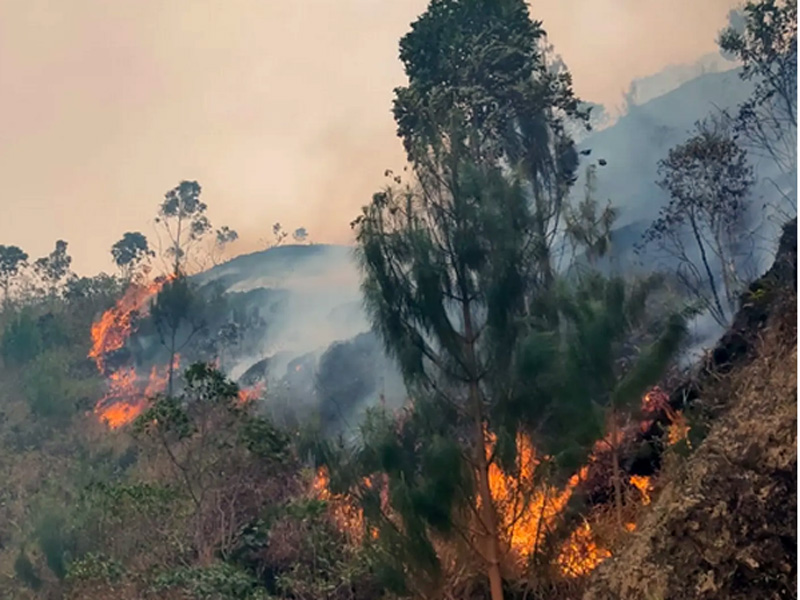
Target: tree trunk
[[710, 275], [488, 515]]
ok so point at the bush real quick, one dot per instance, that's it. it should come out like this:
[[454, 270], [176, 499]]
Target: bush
[[51, 391], [217, 582], [22, 341]]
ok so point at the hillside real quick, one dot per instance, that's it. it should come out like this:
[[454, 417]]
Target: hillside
[[724, 525]]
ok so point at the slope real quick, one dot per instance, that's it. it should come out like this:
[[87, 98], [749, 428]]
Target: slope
[[724, 526]]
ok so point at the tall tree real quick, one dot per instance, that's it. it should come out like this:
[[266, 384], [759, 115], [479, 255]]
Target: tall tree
[[587, 226], [708, 179], [182, 215], [53, 269], [451, 263], [444, 280], [224, 236], [12, 259], [130, 252], [765, 41], [480, 86], [177, 315]]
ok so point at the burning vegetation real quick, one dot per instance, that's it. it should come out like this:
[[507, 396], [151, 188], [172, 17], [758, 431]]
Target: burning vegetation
[[528, 508], [128, 393]]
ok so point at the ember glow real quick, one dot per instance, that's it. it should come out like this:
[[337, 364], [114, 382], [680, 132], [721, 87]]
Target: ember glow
[[127, 396]]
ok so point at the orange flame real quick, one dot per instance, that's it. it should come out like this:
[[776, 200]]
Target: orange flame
[[124, 400], [524, 516], [115, 326], [581, 554], [644, 485], [251, 394], [678, 428], [348, 517], [526, 509]]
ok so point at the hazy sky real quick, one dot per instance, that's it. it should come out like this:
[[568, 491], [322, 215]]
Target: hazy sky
[[281, 110]]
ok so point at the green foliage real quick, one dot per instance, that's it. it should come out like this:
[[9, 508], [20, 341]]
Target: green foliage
[[26, 572], [52, 390], [12, 259], [168, 415], [54, 268], [178, 316], [264, 440], [611, 347], [95, 567], [130, 251], [54, 538], [22, 341], [765, 41], [216, 582], [116, 499]]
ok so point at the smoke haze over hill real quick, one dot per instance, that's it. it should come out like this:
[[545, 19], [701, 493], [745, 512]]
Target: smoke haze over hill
[[270, 109]]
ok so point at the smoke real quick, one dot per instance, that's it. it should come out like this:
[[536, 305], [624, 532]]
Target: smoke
[[316, 352]]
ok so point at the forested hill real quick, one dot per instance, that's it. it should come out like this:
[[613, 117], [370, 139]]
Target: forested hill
[[550, 367]]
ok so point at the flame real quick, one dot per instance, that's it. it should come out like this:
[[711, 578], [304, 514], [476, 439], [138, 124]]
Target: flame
[[526, 509], [525, 517], [581, 554], [115, 326], [678, 428], [119, 405], [124, 399], [644, 485], [348, 518], [251, 394]]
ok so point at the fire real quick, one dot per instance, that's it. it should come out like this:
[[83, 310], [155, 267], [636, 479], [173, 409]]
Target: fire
[[115, 326], [119, 405], [527, 508], [678, 428], [644, 485], [581, 554], [125, 400], [348, 517], [524, 516], [250, 394]]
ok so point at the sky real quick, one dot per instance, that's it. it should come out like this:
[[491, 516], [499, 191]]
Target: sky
[[280, 110]]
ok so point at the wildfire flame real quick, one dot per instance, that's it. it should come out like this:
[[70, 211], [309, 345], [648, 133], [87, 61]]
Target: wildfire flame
[[644, 485], [526, 509], [251, 394], [348, 517], [125, 398], [525, 517], [581, 553]]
